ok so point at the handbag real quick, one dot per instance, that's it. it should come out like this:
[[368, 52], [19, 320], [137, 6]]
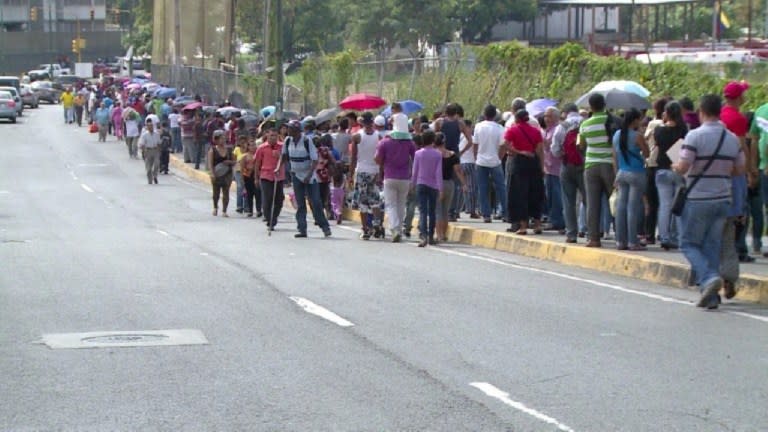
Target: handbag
[[681, 195], [221, 169]]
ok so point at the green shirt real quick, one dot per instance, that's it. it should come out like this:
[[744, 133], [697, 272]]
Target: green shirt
[[592, 132], [760, 128]]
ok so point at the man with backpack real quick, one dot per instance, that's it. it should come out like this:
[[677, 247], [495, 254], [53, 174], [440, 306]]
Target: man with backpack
[[302, 154], [565, 145]]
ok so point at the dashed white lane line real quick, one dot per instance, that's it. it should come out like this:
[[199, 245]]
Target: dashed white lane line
[[320, 311], [86, 187], [494, 392], [161, 232]]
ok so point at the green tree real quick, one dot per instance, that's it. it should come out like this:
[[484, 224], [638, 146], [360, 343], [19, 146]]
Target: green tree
[[140, 33], [477, 17]]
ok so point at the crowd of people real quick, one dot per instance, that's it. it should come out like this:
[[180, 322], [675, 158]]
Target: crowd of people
[[578, 172]]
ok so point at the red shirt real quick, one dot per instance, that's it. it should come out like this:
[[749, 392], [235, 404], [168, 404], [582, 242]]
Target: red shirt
[[735, 121], [523, 137], [269, 157]]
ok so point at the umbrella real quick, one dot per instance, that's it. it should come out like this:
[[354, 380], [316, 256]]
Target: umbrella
[[193, 106], [183, 100], [138, 81], [362, 101], [133, 86], [210, 108], [325, 115], [617, 99], [627, 86], [250, 120], [409, 107], [268, 110], [165, 92], [538, 106], [227, 111]]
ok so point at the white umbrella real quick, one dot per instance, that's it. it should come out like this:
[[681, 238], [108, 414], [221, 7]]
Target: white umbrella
[[627, 86]]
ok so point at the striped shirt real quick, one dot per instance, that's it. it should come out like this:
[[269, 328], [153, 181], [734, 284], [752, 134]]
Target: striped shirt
[[699, 147], [593, 133]]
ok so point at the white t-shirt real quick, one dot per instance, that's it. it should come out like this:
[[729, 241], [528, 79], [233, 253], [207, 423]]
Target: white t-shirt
[[131, 128], [399, 122], [469, 155], [488, 136], [173, 119], [366, 153]]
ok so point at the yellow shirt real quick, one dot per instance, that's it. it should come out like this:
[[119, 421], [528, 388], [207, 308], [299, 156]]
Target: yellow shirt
[[67, 100], [239, 154]]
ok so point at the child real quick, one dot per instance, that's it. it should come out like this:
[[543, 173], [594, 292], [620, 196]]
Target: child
[[428, 179], [399, 123], [166, 142]]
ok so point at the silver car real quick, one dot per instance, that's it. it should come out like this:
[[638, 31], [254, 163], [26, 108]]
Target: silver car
[[7, 106], [16, 98], [28, 97]]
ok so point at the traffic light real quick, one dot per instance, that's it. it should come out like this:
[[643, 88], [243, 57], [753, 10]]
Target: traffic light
[[33, 14], [75, 46], [92, 14]]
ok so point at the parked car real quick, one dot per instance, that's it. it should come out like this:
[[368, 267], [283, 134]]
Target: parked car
[[51, 69], [46, 92], [16, 98], [29, 97], [68, 81], [7, 106], [38, 75]]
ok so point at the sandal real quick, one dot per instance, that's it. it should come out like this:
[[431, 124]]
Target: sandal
[[521, 232]]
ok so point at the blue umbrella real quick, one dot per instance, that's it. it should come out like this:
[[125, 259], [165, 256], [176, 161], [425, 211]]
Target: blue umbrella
[[268, 110], [139, 80], [538, 106], [409, 107], [165, 92]]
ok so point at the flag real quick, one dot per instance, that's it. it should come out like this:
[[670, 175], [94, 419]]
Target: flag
[[724, 19]]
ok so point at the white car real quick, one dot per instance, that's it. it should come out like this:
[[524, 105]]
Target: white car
[[7, 106], [16, 99]]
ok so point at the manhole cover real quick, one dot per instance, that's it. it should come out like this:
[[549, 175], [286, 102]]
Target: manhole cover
[[124, 339], [113, 339]]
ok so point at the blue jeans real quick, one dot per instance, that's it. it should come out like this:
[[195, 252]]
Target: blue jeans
[[668, 182], [311, 190], [571, 183], [495, 174], [629, 207], [427, 198], [240, 189], [554, 201], [701, 235], [176, 139]]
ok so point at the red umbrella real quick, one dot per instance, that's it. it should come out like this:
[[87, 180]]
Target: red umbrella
[[362, 101], [192, 106]]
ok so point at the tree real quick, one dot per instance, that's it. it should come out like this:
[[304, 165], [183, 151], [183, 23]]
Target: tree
[[140, 33], [477, 17]]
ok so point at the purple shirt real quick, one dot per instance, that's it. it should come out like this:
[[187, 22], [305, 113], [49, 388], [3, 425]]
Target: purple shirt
[[552, 163], [395, 156], [428, 168]]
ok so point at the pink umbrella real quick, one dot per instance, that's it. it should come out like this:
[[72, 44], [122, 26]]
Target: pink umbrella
[[192, 106], [362, 101], [133, 86]]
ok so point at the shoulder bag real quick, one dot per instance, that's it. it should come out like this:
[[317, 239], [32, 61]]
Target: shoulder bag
[[681, 195]]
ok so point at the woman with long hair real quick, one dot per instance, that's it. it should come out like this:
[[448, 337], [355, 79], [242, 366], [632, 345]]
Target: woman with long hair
[[631, 180], [220, 163], [526, 191], [668, 181]]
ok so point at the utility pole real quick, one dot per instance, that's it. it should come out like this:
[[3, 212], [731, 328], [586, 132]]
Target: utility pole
[[79, 45], [279, 58], [715, 23], [266, 38], [203, 11], [177, 32]]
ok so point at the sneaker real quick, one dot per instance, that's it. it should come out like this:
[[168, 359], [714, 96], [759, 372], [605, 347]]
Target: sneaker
[[300, 235], [432, 241], [709, 297], [378, 232], [396, 238], [729, 289], [570, 240], [365, 235], [327, 232], [423, 242], [155, 180], [407, 234]]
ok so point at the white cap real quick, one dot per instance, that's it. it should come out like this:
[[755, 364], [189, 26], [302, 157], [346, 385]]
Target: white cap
[[380, 120]]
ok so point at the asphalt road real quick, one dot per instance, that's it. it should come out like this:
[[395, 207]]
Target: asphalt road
[[446, 338]]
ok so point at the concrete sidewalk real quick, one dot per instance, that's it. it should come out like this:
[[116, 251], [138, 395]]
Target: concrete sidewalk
[[654, 265]]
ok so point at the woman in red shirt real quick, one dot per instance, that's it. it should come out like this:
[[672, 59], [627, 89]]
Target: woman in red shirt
[[526, 189]]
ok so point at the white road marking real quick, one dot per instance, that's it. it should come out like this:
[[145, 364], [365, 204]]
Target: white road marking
[[161, 232], [203, 253], [86, 187], [320, 311], [92, 165], [494, 392], [652, 296], [108, 339]]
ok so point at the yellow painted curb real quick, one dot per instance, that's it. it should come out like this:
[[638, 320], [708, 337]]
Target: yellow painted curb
[[750, 287]]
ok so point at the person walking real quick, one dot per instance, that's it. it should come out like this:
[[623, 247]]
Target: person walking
[[165, 147], [631, 181], [102, 121], [526, 190], [67, 100], [599, 168], [451, 168], [79, 104], [365, 178], [394, 156], [187, 134], [565, 146], [453, 127], [668, 181], [220, 162], [131, 119], [302, 154], [710, 157], [428, 179], [239, 152], [200, 139], [174, 120], [467, 160], [116, 117], [247, 164], [271, 176], [759, 134], [487, 146], [149, 143]]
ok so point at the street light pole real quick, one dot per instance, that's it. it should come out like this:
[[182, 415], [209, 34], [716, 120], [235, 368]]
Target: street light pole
[[279, 58]]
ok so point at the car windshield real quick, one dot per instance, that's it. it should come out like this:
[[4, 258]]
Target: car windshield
[[10, 90], [5, 95]]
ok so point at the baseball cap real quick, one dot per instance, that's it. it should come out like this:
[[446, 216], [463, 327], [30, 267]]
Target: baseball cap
[[294, 124], [734, 89], [217, 133], [380, 120], [367, 118]]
